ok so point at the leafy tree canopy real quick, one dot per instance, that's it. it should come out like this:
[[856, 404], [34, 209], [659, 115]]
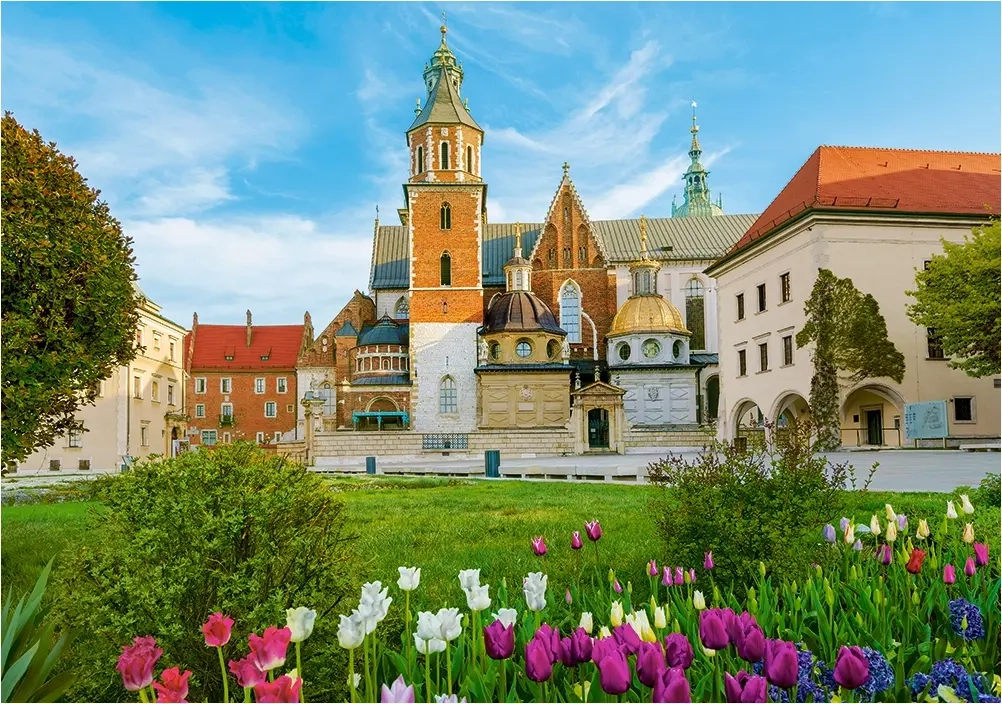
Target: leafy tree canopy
[[958, 296], [69, 306]]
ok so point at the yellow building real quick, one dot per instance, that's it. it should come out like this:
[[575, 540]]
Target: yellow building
[[140, 408]]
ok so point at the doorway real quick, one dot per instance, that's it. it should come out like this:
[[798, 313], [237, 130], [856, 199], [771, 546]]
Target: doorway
[[598, 428], [874, 427]]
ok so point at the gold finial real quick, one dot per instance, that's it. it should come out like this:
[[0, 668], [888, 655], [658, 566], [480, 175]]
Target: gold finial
[[643, 236], [518, 235], [567, 168], [445, 26], [695, 127]]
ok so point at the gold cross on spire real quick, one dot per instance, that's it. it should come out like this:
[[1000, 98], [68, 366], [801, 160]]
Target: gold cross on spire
[[445, 26], [643, 236], [567, 168], [518, 235]]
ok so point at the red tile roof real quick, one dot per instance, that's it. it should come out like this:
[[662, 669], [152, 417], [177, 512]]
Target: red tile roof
[[280, 343], [887, 180]]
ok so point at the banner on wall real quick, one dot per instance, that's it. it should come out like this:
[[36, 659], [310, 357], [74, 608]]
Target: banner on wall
[[926, 421]]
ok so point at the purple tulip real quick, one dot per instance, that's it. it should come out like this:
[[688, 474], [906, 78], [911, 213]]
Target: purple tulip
[[829, 533], [581, 646], [981, 554], [539, 546], [399, 691], [712, 629], [652, 568], [567, 652], [884, 554], [751, 646], [666, 579], [692, 575], [593, 530], [650, 663], [614, 673], [550, 638], [843, 524], [678, 651], [626, 638], [744, 688], [949, 574], [969, 569], [538, 665], [679, 576], [499, 641], [617, 587], [576, 543], [858, 545], [672, 686], [708, 563], [902, 522], [781, 666], [602, 647], [852, 669]]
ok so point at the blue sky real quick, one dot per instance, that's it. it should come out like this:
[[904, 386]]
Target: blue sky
[[245, 146]]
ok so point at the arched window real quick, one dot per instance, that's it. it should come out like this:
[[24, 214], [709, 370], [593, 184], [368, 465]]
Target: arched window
[[445, 155], [327, 394], [551, 256], [695, 318], [570, 311], [469, 158], [518, 280], [385, 363], [445, 217], [582, 257], [446, 266], [447, 396], [420, 159], [402, 309]]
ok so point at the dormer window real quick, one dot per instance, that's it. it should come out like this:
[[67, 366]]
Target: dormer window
[[264, 358], [229, 358]]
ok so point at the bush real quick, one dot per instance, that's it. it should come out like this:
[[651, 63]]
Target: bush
[[989, 492], [768, 503], [233, 530]]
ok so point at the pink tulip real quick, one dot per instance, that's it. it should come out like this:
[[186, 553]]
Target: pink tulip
[[268, 652], [568, 598], [593, 530], [617, 587], [692, 575], [399, 692], [246, 672], [652, 568], [949, 574], [708, 563], [283, 689], [969, 569], [137, 661], [576, 543], [217, 630], [174, 687], [679, 575], [981, 554], [539, 546], [666, 579]]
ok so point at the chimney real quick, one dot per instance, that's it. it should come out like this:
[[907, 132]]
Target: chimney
[[248, 328]]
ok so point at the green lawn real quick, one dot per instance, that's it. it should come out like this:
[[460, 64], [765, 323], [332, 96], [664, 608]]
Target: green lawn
[[444, 526]]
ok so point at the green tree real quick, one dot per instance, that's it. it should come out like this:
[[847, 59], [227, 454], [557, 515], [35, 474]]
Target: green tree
[[69, 307], [850, 344], [958, 296]]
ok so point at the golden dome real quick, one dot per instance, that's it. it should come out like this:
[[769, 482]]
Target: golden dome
[[647, 314]]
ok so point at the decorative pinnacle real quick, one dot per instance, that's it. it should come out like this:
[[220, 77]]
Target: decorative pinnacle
[[643, 236], [518, 236], [417, 107], [445, 26], [567, 169], [695, 127]]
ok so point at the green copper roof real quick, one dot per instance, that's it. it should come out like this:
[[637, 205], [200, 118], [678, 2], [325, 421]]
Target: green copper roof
[[697, 190], [443, 105]]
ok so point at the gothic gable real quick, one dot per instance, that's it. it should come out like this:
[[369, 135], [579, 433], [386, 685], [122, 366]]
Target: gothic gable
[[358, 311]]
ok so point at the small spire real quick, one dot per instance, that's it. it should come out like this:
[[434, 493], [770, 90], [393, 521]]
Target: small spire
[[518, 239], [466, 104], [377, 213], [567, 169], [643, 236], [417, 107]]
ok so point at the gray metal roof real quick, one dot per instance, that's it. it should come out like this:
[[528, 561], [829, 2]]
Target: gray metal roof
[[385, 332], [444, 106], [346, 330], [691, 238], [704, 358]]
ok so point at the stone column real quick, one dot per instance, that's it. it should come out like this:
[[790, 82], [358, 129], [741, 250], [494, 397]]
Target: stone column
[[308, 413]]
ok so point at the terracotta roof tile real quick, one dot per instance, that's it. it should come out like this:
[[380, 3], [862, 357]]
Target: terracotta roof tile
[[280, 343], [890, 180]]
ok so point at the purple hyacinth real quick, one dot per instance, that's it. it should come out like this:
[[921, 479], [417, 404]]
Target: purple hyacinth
[[881, 674], [808, 690], [959, 608], [951, 674], [778, 695]]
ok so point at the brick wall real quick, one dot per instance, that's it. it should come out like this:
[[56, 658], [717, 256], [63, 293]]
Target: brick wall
[[361, 398], [248, 407], [430, 139]]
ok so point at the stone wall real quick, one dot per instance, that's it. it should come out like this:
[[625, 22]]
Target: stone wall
[[440, 350], [689, 436]]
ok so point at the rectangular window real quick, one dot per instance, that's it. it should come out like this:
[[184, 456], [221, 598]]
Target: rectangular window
[[55, 465], [259, 438], [73, 439], [761, 297], [226, 410], [788, 350], [934, 344], [282, 385], [784, 288], [155, 391], [144, 435], [289, 407], [137, 387], [570, 313], [742, 363], [200, 385], [963, 409], [270, 409], [447, 399], [139, 337], [170, 394], [209, 437], [926, 263], [172, 348], [259, 385], [278, 437], [83, 464], [763, 357], [225, 385], [226, 438], [156, 341], [200, 410], [741, 306]]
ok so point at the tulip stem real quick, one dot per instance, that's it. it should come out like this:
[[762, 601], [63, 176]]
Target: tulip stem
[[584, 690], [351, 675], [365, 665], [427, 674], [226, 682], [504, 680], [448, 668], [153, 694], [142, 695], [299, 671], [407, 624], [247, 691]]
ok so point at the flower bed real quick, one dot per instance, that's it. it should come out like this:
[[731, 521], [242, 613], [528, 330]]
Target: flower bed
[[906, 613]]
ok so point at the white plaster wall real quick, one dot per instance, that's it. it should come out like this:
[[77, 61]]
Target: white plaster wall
[[437, 350], [637, 358], [657, 396], [386, 301], [304, 377]]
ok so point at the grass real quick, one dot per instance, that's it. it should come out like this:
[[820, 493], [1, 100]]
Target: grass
[[444, 526]]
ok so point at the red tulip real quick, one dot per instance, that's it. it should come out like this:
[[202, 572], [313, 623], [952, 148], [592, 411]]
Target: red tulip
[[217, 630], [246, 672], [174, 687], [672, 686], [137, 661], [981, 554], [915, 562], [283, 689], [268, 652]]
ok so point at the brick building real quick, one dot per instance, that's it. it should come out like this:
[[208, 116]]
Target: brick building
[[241, 381]]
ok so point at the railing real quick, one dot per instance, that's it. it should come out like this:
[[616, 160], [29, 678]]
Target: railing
[[225, 420], [445, 441], [863, 436]]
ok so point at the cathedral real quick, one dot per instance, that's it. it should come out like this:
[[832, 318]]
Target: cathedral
[[595, 335]]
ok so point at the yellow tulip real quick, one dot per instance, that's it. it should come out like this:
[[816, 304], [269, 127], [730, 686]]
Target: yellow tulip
[[922, 532], [616, 615], [891, 516], [603, 632], [875, 525], [969, 533], [850, 533], [892, 531]]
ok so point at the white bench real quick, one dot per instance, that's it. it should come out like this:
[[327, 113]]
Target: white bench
[[608, 474], [983, 447]]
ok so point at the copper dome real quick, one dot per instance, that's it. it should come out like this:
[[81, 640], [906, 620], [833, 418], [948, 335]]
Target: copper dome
[[520, 311]]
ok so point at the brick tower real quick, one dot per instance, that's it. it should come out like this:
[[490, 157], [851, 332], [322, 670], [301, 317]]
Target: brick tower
[[445, 209]]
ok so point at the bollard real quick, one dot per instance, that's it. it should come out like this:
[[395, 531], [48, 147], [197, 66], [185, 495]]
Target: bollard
[[492, 464], [370, 465]]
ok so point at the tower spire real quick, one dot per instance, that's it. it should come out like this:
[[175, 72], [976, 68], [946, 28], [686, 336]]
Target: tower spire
[[697, 190], [518, 239]]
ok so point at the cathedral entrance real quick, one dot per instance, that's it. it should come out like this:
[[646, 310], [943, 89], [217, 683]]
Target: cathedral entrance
[[598, 428]]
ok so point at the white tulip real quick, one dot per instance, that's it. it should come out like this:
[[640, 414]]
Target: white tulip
[[300, 622], [350, 633], [506, 616], [450, 624], [586, 622], [410, 578], [468, 579], [375, 603], [477, 598], [534, 587], [875, 525], [892, 532], [698, 600], [965, 504], [427, 625], [951, 512], [603, 632], [616, 614], [659, 618], [429, 646]]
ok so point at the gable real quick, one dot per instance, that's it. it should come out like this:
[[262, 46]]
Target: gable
[[357, 312]]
